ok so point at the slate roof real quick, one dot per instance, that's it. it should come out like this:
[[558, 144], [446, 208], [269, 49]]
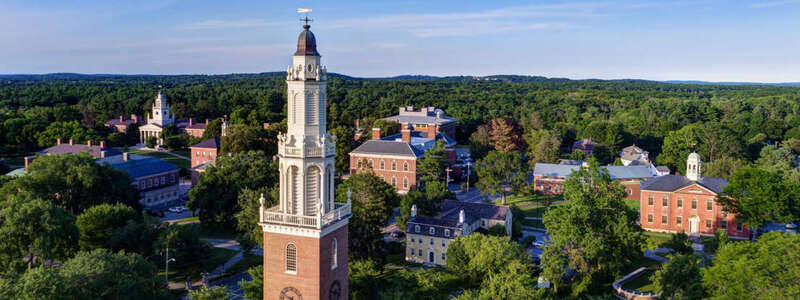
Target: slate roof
[[669, 183], [125, 121], [480, 210], [388, 148], [212, 143], [585, 144], [144, 167], [663, 169], [425, 224], [422, 119], [65, 148], [616, 172], [448, 218], [185, 125]]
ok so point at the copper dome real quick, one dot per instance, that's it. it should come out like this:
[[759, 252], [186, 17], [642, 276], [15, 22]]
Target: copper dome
[[306, 43]]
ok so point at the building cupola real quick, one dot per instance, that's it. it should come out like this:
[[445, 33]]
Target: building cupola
[[306, 43], [693, 163]]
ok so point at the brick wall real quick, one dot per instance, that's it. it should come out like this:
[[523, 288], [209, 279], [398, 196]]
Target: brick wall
[[202, 155], [314, 276], [675, 209], [387, 172]]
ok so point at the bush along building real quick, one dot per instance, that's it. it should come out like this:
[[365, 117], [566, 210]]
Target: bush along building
[[394, 158], [427, 238], [674, 203]]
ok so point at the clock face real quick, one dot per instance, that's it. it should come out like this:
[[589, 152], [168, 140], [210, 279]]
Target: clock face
[[336, 290], [290, 293]]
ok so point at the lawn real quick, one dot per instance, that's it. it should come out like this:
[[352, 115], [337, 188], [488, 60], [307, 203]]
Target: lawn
[[533, 223], [537, 211], [179, 162], [656, 240], [248, 261], [642, 283], [521, 200], [184, 153], [633, 204]]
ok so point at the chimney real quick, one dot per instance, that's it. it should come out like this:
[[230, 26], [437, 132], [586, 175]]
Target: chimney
[[70, 142], [125, 156], [190, 121], [102, 144], [28, 161], [406, 133], [135, 118], [461, 217], [376, 133], [413, 210], [121, 118], [58, 141], [358, 123], [206, 122], [102, 153], [89, 143]]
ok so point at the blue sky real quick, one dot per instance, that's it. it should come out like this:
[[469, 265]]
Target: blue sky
[[711, 40]]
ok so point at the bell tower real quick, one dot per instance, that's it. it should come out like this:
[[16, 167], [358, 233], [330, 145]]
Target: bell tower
[[305, 235], [693, 171], [160, 114]]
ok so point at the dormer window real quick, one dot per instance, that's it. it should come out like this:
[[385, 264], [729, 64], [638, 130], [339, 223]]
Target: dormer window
[[432, 230], [447, 232], [416, 228]]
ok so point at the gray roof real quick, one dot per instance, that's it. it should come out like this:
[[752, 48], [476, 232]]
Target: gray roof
[[670, 183], [212, 143], [422, 119], [94, 150], [448, 218], [388, 148], [144, 167], [451, 208], [616, 172]]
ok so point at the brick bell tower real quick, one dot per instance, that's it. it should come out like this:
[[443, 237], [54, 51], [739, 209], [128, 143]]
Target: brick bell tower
[[305, 235]]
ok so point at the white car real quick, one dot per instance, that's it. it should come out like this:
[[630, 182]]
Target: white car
[[538, 244], [177, 209]]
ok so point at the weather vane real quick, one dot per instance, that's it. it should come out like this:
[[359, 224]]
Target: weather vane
[[306, 11]]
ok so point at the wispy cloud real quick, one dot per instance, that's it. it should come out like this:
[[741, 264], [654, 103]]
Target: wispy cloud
[[518, 18], [226, 24], [765, 4]]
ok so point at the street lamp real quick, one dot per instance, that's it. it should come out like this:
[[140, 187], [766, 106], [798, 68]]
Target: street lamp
[[166, 266], [468, 165]]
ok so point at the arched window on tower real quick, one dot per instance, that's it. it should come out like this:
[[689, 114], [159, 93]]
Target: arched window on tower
[[291, 259], [334, 254]]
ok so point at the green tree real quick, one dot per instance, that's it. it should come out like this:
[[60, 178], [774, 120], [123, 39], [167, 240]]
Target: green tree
[[723, 167], [213, 129], [242, 138], [372, 200], [479, 142], [479, 258], [254, 289], [206, 293], [577, 154], [216, 192], [543, 146], [432, 166], [505, 135], [711, 140], [758, 196], [185, 246], [498, 169], [249, 209], [344, 144], [97, 224], [765, 269], [594, 232], [680, 277], [74, 182], [34, 230], [780, 160], [151, 142], [497, 230], [362, 276], [720, 240], [607, 133], [680, 243], [410, 198], [65, 131], [101, 274]]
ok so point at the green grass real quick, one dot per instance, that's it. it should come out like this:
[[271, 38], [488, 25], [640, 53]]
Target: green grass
[[189, 219], [642, 283], [633, 204], [656, 240], [216, 256], [182, 153], [179, 162], [533, 223]]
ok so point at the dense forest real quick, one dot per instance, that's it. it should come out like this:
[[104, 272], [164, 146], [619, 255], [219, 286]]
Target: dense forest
[[718, 121]]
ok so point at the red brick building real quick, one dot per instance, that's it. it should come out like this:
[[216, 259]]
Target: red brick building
[[203, 154], [585, 145], [394, 158], [121, 124], [673, 203]]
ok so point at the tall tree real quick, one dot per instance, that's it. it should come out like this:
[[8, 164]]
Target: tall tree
[[765, 269], [106, 275], [74, 182], [209, 293], [479, 143], [254, 289], [372, 200], [505, 135], [432, 166], [344, 144], [34, 230], [594, 232], [97, 224], [216, 192], [680, 277], [249, 209], [481, 259], [758, 196], [543, 146], [498, 169]]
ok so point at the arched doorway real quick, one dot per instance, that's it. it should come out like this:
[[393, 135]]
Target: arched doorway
[[694, 225]]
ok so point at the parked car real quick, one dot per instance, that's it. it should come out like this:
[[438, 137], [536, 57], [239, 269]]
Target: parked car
[[398, 234], [177, 209]]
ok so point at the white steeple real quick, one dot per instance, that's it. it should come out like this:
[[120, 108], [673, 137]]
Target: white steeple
[[693, 163], [160, 115]]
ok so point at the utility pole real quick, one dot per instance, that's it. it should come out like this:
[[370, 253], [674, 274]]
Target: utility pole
[[447, 183], [166, 267], [468, 164]]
